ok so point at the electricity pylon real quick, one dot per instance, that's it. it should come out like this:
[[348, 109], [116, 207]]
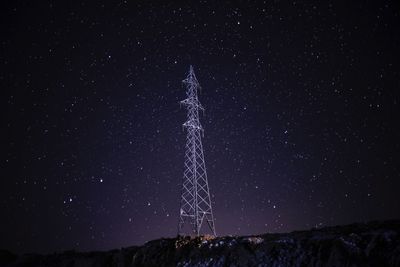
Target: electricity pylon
[[195, 199]]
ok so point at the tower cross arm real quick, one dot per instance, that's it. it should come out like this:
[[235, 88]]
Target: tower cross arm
[[191, 102]]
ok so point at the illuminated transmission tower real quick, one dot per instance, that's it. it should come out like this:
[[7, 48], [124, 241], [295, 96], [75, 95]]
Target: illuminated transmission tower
[[195, 200]]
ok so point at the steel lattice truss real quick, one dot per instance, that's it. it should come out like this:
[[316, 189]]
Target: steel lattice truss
[[195, 200]]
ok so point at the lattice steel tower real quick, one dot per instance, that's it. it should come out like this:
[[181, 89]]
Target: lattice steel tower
[[195, 200]]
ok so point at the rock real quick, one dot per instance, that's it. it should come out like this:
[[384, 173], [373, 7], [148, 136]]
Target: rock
[[6, 257], [367, 245]]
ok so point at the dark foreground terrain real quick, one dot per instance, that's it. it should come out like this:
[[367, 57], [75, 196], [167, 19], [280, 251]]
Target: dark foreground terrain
[[371, 244]]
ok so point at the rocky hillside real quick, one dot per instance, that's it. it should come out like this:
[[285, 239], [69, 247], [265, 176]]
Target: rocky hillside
[[372, 244]]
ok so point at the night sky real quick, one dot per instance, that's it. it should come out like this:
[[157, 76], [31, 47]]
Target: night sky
[[301, 121]]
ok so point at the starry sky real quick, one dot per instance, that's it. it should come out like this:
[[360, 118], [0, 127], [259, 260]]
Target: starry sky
[[301, 121]]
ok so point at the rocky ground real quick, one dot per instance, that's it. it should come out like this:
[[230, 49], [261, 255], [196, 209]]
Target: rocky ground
[[371, 244]]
